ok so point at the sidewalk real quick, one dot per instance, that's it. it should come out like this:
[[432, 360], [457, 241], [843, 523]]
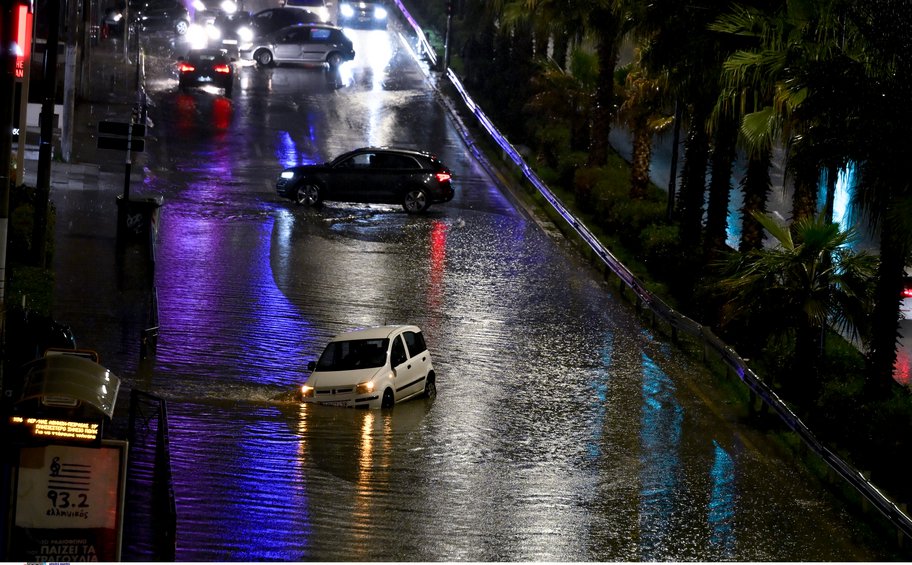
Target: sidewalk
[[102, 294]]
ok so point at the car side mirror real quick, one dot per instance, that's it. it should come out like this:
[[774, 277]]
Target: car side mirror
[[311, 365]]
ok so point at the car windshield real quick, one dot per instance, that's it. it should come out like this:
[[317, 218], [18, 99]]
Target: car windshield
[[353, 354]]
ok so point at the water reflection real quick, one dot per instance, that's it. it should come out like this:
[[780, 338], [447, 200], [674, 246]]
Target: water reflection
[[660, 435], [722, 504]]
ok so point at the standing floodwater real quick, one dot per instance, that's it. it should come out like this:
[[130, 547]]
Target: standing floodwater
[[563, 429]]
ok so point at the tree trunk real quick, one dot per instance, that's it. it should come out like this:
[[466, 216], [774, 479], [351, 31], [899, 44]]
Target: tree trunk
[[804, 197], [693, 179], [832, 175], [603, 110], [885, 318], [723, 158], [756, 186], [642, 156]]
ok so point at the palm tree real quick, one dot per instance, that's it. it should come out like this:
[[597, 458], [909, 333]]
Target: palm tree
[[560, 103], [808, 282], [643, 112]]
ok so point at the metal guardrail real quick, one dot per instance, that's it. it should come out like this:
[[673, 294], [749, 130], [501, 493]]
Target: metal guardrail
[[153, 478], [680, 322]]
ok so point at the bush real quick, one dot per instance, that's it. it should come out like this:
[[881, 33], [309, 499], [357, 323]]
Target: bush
[[661, 250], [632, 217]]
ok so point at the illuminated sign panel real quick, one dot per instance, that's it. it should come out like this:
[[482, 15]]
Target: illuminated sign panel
[[22, 25], [58, 429]]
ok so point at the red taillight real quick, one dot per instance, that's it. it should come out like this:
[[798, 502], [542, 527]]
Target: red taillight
[[907, 292], [185, 67], [224, 69], [443, 177]]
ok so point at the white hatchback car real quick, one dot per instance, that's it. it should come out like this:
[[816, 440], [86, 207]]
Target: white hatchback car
[[372, 368]]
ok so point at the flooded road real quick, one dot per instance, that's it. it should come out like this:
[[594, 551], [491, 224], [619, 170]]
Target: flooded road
[[563, 429]]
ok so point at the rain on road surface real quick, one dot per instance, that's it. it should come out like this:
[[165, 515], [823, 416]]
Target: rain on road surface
[[563, 429]]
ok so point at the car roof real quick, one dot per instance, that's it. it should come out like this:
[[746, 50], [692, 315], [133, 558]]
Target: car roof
[[376, 332], [391, 149], [302, 25]]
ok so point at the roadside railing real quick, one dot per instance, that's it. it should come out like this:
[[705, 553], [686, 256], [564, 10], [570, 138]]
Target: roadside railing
[[152, 512], [677, 321]]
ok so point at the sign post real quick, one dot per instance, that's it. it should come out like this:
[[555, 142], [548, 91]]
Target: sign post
[[122, 136]]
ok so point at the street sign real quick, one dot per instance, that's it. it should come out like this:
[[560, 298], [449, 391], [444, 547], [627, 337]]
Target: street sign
[[120, 143], [120, 128]]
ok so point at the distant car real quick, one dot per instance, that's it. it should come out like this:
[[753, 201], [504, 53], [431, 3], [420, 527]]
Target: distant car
[[206, 67], [310, 44], [316, 7], [905, 304], [380, 175], [162, 15], [363, 13], [224, 32], [372, 368], [270, 20], [206, 11]]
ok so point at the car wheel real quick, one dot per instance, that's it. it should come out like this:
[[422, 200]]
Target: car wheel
[[308, 194], [228, 90], [182, 86], [415, 201], [263, 58], [430, 386], [334, 60], [388, 399], [182, 27]]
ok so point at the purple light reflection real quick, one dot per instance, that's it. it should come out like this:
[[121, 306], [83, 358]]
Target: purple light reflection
[[210, 318]]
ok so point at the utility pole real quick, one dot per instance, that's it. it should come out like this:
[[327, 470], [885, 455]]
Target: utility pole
[[447, 39], [7, 88], [46, 140]]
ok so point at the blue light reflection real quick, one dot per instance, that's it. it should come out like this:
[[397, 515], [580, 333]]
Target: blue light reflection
[[660, 436], [722, 504]]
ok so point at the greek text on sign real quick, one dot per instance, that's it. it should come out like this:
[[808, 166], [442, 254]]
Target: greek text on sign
[[63, 486], [63, 429]]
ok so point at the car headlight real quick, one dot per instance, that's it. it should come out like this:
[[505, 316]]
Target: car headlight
[[379, 13], [287, 175], [228, 6], [199, 6], [245, 34], [346, 10], [307, 391], [365, 387], [214, 33]]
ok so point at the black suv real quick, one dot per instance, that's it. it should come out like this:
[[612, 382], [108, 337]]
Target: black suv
[[377, 175]]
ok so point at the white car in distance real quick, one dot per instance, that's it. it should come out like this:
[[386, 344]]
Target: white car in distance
[[372, 368]]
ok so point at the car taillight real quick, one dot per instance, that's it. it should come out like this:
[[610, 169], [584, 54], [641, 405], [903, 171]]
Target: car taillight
[[443, 177], [186, 68], [224, 69], [907, 292]]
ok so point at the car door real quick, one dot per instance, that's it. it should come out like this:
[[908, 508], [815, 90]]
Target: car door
[[409, 379], [384, 185], [350, 178], [315, 47], [288, 44]]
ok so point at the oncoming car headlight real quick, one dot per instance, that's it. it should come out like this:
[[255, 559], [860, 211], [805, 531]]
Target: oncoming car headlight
[[346, 10], [307, 391], [287, 175], [364, 388], [245, 34], [379, 13]]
